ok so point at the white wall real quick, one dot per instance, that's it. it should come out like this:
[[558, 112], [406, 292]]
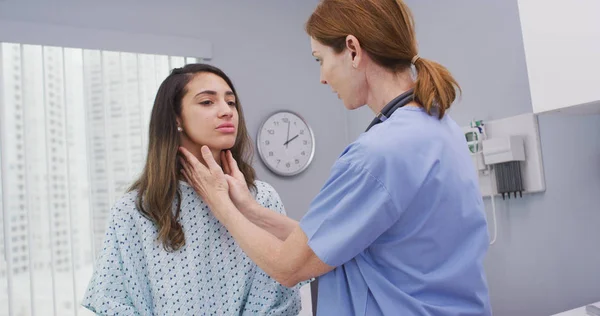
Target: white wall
[[89, 38], [562, 47], [261, 46]]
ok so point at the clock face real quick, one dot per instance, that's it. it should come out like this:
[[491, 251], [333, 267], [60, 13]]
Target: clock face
[[286, 143]]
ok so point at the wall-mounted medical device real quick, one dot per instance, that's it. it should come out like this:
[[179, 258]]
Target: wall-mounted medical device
[[507, 156]]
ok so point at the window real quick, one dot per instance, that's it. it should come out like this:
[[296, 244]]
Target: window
[[101, 101]]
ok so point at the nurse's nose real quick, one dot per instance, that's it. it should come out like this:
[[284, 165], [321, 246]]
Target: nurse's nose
[[323, 81], [322, 78]]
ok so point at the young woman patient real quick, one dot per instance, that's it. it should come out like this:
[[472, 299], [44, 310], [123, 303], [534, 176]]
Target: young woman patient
[[164, 252]]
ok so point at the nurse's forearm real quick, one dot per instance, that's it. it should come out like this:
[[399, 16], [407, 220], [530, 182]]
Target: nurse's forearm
[[277, 224], [261, 246]]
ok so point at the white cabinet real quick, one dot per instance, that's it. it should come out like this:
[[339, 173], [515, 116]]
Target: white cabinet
[[562, 50]]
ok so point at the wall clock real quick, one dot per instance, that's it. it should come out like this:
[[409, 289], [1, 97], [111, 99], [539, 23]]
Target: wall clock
[[286, 143]]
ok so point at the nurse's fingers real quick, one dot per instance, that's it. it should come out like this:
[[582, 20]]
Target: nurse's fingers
[[210, 160], [185, 175], [233, 166], [225, 163], [186, 170], [191, 159]]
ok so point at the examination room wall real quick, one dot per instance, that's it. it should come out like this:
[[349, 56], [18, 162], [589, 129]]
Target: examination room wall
[[260, 45], [546, 259]]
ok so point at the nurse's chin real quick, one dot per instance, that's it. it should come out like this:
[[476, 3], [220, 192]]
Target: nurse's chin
[[352, 106]]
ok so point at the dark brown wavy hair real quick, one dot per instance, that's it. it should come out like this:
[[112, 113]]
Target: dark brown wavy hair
[[158, 194]]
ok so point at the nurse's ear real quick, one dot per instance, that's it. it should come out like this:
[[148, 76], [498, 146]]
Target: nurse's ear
[[355, 52]]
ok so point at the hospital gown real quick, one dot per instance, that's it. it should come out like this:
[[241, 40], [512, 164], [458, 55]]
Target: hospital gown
[[210, 275]]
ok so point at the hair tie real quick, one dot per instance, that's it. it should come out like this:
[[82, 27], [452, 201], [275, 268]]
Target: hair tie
[[414, 59]]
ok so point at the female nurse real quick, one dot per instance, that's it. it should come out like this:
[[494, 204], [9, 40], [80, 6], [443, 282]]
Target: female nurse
[[399, 226]]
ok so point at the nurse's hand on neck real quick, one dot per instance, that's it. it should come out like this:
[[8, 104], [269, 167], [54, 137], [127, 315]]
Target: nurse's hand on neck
[[274, 242], [226, 168], [196, 151], [203, 180], [205, 175], [238, 189]]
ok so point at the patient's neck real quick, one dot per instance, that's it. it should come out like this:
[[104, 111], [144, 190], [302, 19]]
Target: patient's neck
[[195, 149]]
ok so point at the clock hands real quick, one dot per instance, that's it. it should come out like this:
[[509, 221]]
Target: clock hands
[[288, 136], [287, 142]]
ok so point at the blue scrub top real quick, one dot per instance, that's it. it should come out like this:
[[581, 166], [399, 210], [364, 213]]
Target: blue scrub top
[[402, 220]]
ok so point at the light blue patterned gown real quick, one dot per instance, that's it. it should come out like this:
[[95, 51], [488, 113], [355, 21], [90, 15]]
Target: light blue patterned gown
[[210, 275]]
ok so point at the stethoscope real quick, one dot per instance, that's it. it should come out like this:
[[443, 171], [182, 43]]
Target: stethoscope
[[387, 111]]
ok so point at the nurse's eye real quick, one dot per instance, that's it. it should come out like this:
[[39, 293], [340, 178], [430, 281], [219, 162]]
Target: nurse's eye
[[232, 103], [207, 102]]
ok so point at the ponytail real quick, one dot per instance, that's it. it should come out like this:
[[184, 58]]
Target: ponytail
[[435, 88], [386, 31]]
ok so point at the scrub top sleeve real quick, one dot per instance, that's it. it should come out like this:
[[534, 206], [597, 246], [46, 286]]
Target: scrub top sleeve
[[351, 211]]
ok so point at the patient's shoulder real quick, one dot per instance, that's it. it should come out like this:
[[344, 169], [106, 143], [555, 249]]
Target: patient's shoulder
[[125, 209], [268, 197]]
